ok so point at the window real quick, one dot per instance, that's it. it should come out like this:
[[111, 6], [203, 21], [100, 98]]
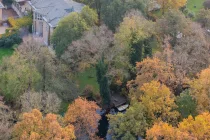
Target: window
[[38, 16]]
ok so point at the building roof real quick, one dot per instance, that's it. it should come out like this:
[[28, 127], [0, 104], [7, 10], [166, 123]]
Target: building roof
[[54, 10], [21, 0], [1, 6]]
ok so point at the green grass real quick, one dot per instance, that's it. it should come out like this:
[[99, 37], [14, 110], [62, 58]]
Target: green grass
[[88, 77], [5, 52], [197, 3]]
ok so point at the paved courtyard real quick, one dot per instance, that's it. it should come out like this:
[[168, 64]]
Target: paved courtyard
[[3, 29]]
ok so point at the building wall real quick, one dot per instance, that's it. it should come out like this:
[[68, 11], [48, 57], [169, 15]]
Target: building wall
[[1, 14], [47, 32], [38, 27]]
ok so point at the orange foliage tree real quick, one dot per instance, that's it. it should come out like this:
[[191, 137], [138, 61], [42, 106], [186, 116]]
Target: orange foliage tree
[[200, 90], [165, 131], [190, 129], [198, 127], [152, 69], [34, 126], [82, 114]]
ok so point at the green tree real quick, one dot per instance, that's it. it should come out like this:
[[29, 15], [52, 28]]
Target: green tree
[[186, 104], [113, 11], [131, 124], [132, 35], [17, 76], [71, 28], [101, 69]]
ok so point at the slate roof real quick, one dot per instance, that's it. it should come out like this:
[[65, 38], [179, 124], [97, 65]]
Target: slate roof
[[21, 0], [54, 10]]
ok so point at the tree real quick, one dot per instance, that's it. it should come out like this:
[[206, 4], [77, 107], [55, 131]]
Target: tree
[[190, 128], [131, 35], [82, 114], [191, 52], [163, 130], [71, 28], [55, 75], [44, 101], [198, 127], [186, 104], [168, 4], [159, 102], [6, 121], [172, 24], [101, 73], [203, 18], [199, 89], [132, 123], [17, 76], [34, 126], [113, 11], [86, 51], [152, 69]]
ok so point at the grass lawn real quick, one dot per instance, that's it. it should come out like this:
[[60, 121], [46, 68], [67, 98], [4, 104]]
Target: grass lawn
[[5, 52], [197, 3], [88, 77]]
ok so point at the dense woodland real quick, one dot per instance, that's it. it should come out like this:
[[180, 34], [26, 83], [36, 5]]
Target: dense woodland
[[161, 64]]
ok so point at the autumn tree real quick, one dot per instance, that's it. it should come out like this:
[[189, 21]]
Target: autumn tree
[[88, 52], [71, 28], [82, 114], [159, 102], [198, 127], [203, 18], [172, 24], [163, 130], [168, 4], [130, 124], [34, 126], [131, 35], [152, 69], [55, 75], [191, 52], [199, 89], [17, 76], [7, 118], [44, 101], [186, 104]]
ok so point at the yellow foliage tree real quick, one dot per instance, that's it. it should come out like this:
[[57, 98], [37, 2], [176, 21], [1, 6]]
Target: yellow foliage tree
[[34, 127], [173, 4], [153, 69], [198, 127], [159, 102], [165, 131], [188, 129], [200, 90], [82, 114]]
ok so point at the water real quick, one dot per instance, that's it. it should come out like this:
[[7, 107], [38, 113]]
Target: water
[[103, 126]]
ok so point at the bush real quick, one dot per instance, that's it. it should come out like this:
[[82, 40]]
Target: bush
[[20, 22], [206, 4], [8, 42], [191, 15]]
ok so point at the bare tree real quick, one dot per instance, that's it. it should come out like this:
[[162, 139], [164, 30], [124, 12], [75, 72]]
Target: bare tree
[[45, 101]]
